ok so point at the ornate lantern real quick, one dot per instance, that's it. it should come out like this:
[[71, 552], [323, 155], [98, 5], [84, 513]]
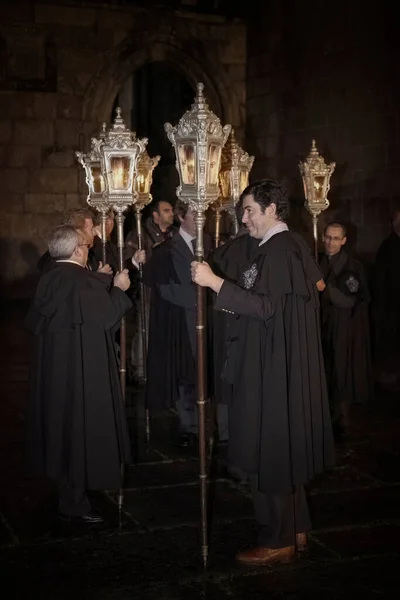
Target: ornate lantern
[[144, 178], [316, 176], [236, 165], [198, 140], [111, 168]]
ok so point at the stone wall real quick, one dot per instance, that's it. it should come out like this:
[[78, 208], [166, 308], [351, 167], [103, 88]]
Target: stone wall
[[61, 66], [328, 71]]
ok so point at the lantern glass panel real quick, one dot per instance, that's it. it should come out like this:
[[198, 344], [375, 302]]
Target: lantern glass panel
[[142, 183], [187, 160], [319, 185], [225, 183], [243, 181], [214, 159], [97, 179], [120, 166]]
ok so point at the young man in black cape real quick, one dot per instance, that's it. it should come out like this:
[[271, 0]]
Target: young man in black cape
[[345, 327], [281, 433], [76, 425]]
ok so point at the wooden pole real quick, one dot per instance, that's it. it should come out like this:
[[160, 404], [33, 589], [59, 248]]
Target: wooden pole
[[143, 316], [201, 385]]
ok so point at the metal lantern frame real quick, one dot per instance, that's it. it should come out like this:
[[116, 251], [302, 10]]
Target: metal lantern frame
[[198, 140], [236, 165], [316, 174]]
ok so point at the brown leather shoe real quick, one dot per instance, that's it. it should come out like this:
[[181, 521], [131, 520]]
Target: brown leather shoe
[[301, 542], [266, 556]]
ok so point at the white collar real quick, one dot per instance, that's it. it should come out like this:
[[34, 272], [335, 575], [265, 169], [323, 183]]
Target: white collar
[[278, 228], [74, 262], [186, 236]]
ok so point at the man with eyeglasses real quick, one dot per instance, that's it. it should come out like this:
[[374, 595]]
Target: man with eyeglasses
[[76, 425]]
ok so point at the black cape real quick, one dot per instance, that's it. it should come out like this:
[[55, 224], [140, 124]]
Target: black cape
[[76, 424], [112, 258], [345, 331], [386, 299], [228, 261], [170, 357], [280, 421]]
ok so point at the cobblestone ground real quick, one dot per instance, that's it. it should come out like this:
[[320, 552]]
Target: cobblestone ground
[[154, 552]]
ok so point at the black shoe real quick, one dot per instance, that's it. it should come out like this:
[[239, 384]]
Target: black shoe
[[89, 519]]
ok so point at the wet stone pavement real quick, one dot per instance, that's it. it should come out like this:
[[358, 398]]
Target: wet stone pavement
[[154, 551]]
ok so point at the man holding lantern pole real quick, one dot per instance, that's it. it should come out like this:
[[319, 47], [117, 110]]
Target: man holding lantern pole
[[280, 427]]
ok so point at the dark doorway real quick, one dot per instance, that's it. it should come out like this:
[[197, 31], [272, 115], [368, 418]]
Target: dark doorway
[[155, 94]]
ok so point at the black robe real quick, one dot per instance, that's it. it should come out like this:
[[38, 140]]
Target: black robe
[[386, 300], [228, 261], [345, 332], [280, 426], [112, 258], [76, 424], [171, 354]]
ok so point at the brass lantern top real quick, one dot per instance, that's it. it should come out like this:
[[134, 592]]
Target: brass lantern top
[[236, 165], [316, 176], [198, 140], [144, 178], [111, 165]]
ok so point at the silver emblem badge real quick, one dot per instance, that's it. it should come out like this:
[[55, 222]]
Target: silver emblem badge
[[248, 277], [353, 284]]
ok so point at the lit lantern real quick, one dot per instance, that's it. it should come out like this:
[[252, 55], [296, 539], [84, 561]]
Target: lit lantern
[[316, 176], [236, 165], [198, 140]]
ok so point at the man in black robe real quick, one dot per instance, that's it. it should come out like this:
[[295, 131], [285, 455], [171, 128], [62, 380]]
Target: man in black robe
[[345, 327], [76, 427], [281, 432], [386, 308], [172, 329]]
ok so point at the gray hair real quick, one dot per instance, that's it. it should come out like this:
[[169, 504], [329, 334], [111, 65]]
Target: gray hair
[[62, 242]]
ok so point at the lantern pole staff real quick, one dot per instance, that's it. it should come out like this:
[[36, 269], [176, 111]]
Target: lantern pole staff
[[142, 186], [197, 140], [110, 167], [316, 174]]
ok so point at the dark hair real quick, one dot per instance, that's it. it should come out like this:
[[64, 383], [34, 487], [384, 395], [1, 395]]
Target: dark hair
[[336, 224], [181, 209], [97, 217], [155, 205], [266, 192], [76, 218]]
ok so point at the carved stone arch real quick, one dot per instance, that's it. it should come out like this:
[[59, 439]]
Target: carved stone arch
[[194, 64]]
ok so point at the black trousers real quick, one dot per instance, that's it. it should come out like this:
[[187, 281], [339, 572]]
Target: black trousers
[[280, 516]]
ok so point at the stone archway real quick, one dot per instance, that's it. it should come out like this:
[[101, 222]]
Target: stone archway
[[138, 50]]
